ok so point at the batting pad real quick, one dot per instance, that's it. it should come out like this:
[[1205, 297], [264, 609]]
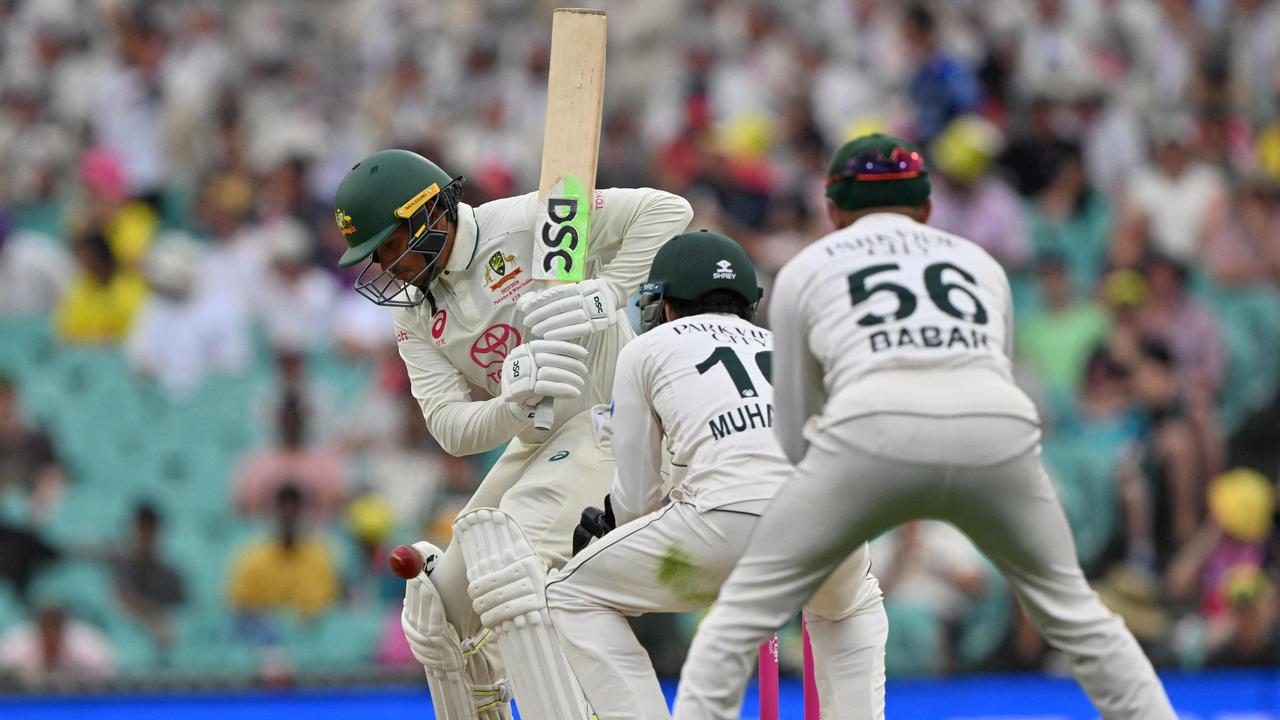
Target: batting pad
[[436, 646], [507, 587]]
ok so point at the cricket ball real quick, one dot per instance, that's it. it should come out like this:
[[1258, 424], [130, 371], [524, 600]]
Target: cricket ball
[[406, 562]]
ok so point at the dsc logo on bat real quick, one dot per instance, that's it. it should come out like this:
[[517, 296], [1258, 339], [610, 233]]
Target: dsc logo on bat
[[561, 250], [561, 212]]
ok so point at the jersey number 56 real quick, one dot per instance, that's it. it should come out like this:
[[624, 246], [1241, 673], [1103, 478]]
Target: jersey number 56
[[935, 284]]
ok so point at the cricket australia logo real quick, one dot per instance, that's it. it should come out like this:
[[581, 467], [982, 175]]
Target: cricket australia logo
[[724, 271], [344, 222], [497, 273]]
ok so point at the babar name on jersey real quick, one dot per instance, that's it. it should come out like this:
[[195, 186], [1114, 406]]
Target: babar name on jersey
[[727, 334], [750, 416], [930, 337]]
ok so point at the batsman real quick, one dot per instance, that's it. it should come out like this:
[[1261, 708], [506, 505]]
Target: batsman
[[469, 313]]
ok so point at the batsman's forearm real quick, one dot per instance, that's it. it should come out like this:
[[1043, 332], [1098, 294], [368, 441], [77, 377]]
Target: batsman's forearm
[[659, 216], [470, 427]]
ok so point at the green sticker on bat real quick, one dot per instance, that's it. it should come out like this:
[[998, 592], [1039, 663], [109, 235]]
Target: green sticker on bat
[[561, 250]]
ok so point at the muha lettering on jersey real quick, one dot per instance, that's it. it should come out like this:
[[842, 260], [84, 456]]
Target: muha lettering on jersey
[[752, 416], [929, 336]]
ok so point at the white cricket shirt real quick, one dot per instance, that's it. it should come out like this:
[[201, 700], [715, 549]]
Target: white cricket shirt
[[889, 314], [465, 337], [701, 384]]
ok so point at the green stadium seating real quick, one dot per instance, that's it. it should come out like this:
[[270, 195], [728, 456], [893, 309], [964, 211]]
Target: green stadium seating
[[12, 609], [1084, 474], [915, 640]]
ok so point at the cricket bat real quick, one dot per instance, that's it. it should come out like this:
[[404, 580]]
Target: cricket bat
[[570, 148]]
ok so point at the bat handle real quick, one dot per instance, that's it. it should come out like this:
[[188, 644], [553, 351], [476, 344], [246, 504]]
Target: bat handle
[[545, 414]]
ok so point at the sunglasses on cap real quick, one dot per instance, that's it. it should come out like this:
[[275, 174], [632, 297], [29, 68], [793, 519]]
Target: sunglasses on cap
[[901, 164]]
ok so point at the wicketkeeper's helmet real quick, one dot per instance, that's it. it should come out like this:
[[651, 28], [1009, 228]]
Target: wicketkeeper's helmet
[[692, 265]]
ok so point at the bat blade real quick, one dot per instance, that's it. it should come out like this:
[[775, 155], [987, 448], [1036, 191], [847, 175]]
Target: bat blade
[[570, 143], [570, 148], [560, 253]]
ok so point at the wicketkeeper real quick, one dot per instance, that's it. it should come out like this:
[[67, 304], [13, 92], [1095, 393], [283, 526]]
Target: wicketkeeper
[[697, 383]]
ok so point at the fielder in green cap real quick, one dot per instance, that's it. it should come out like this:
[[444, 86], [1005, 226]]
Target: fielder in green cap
[[696, 384], [468, 314], [877, 173], [894, 396]]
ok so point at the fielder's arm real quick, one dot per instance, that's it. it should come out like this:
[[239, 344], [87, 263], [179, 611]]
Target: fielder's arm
[[637, 438], [461, 425], [798, 393]]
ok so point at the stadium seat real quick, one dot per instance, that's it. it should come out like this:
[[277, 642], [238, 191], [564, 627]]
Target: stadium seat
[[1250, 325], [12, 610], [83, 586], [915, 640], [1083, 471], [985, 626]]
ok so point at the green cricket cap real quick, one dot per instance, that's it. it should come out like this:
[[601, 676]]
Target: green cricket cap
[[693, 264], [877, 170]]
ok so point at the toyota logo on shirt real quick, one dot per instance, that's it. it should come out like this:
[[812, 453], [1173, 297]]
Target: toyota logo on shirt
[[491, 348]]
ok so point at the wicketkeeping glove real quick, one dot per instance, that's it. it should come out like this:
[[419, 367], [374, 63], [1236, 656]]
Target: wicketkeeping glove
[[566, 312], [594, 523], [544, 368]]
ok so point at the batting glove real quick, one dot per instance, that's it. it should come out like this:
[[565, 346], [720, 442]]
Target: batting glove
[[566, 312], [544, 368]]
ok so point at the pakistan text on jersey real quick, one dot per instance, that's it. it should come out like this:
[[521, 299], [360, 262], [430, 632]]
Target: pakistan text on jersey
[[727, 334], [752, 416], [893, 242], [929, 336]]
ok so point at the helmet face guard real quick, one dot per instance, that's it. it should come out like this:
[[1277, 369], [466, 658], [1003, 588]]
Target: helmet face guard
[[650, 304], [428, 233]]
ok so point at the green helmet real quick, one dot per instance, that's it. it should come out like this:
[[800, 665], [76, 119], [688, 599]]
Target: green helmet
[[379, 193], [691, 265]]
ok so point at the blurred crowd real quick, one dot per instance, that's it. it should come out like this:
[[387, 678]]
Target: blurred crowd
[[166, 175]]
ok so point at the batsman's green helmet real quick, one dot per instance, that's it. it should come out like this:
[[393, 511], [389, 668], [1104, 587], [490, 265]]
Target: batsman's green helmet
[[378, 194], [381, 192]]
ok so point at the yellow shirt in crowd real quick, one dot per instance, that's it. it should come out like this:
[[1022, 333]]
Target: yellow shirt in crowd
[[93, 312], [268, 576]]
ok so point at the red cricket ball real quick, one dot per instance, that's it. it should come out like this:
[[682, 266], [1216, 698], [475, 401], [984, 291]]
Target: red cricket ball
[[405, 562]]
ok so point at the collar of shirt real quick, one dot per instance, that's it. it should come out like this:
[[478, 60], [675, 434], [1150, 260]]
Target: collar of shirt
[[877, 219], [465, 241]]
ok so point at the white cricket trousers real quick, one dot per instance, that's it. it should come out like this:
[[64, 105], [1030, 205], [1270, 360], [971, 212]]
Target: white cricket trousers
[[864, 475], [675, 560], [544, 487]]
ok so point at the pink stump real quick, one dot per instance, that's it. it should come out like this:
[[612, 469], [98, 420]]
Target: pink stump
[[812, 711], [769, 679]]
